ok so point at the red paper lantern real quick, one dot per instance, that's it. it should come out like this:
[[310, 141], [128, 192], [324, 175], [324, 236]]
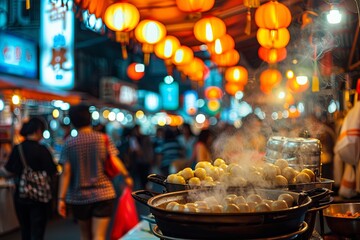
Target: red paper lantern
[[226, 59], [192, 6], [208, 29], [273, 38], [221, 45], [272, 55], [135, 71], [237, 74], [273, 15], [269, 79], [233, 88]]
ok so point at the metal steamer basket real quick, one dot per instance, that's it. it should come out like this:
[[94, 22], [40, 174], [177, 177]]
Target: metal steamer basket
[[299, 152]]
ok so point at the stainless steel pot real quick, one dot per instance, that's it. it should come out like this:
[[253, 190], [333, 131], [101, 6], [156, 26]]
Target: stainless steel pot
[[343, 226], [223, 225]]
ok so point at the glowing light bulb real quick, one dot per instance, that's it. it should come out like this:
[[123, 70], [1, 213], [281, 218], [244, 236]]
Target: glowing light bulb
[[334, 16]]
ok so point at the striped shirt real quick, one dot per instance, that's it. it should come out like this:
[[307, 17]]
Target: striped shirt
[[86, 154]]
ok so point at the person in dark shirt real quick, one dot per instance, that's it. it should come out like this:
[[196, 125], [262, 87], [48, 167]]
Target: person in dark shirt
[[171, 152], [32, 215]]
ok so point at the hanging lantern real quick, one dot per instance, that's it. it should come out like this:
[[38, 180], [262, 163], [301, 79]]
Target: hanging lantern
[[213, 92], [149, 32], [121, 18], [196, 65], [208, 29], [183, 55], [273, 38], [192, 6], [221, 45], [272, 55], [135, 71], [166, 48], [237, 74], [273, 15], [250, 4], [269, 79], [295, 87], [233, 88], [226, 59]]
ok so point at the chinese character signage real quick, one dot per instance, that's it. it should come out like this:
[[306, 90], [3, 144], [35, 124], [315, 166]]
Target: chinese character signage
[[18, 56], [57, 45]]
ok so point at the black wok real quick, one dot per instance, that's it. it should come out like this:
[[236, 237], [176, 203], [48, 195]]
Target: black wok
[[223, 225]]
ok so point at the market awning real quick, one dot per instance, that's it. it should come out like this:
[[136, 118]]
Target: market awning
[[31, 89]]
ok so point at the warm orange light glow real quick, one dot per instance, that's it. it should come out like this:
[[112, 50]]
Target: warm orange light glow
[[269, 79], [273, 15], [195, 5], [237, 74], [150, 31], [166, 48], [233, 88], [133, 73], [273, 38], [121, 17], [221, 45], [213, 92], [183, 55], [226, 59], [295, 87], [208, 29], [272, 55], [213, 105]]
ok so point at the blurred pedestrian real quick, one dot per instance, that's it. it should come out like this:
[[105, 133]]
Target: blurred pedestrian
[[172, 154], [84, 185], [141, 151], [202, 151], [32, 215], [187, 140]]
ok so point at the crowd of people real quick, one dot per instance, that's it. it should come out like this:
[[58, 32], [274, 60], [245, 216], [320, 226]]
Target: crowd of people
[[84, 189]]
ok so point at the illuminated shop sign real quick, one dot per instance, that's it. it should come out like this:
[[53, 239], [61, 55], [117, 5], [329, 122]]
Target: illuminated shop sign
[[190, 102], [57, 45], [169, 95], [152, 102], [114, 90], [18, 56]]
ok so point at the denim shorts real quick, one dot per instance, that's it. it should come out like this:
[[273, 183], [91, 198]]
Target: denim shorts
[[101, 209]]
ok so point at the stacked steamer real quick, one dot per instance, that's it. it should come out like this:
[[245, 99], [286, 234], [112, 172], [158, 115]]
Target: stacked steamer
[[300, 153]]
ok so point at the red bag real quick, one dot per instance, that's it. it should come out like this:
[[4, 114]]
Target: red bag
[[111, 166], [126, 216]]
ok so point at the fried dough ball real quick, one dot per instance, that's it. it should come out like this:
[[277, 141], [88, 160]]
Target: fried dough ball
[[178, 180], [230, 198], [268, 201], [179, 208], [239, 199], [270, 171], [310, 173], [280, 181], [288, 199], [217, 208], [190, 208], [212, 172], [171, 205], [224, 167], [187, 173], [203, 209], [251, 206], [170, 178], [218, 162], [208, 179], [244, 207], [262, 207], [194, 181], [281, 163], [201, 204], [202, 164], [253, 197], [279, 205], [235, 170], [200, 173], [289, 173], [231, 208], [302, 177]]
